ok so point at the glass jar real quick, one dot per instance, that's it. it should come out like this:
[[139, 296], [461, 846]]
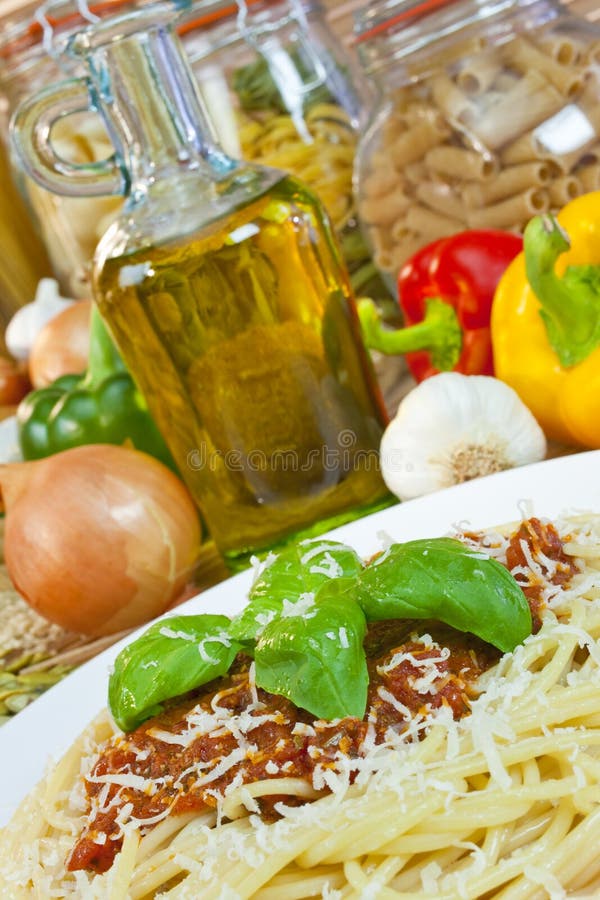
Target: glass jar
[[31, 58], [281, 90], [489, 113], [23, 258], [223, 286]]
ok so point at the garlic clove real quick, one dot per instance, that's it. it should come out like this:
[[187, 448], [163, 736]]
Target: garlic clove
[[28, 321], [454, 427], [10, 450]]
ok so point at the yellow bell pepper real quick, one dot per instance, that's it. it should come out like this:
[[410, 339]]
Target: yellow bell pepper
[[546, 322]]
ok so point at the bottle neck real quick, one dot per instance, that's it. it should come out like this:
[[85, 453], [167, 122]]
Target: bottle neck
[[155, 117]]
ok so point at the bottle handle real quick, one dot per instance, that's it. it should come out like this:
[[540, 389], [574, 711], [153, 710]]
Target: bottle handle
[[31, 142]]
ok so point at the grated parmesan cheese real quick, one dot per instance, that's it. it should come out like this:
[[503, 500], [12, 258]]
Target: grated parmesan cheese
[[303, 607], [329, 567]]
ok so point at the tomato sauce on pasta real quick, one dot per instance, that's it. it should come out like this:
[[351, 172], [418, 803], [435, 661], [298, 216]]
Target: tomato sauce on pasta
[[412, 677]]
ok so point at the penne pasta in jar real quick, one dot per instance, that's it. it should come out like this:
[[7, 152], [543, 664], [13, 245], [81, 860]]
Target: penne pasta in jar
[[510, 181], [563, 48], [562, 190], [589, 177], [525, 57], [455, 162], [449, 98], [504, 214], [422, 220], [479, 73], [529, 102], [591, 54], [384, 209], [411, 145], [487, 116], [440, 197]]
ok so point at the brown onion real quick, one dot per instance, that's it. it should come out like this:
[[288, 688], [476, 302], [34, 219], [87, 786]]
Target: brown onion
[[14, 382], [98, 538], [62, 346]]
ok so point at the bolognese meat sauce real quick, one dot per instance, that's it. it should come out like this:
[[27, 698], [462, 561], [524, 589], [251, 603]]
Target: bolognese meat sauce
[[537, 546], [161, 769]]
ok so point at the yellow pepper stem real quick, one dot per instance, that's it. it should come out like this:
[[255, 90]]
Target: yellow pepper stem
[[571, 303]]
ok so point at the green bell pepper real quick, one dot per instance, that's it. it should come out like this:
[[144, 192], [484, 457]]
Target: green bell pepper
[[102, 406]]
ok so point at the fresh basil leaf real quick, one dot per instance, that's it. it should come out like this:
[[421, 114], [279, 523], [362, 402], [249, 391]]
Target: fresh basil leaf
[[440, 578], [295, 575], [337, 589], [172, 657], [317, 659]]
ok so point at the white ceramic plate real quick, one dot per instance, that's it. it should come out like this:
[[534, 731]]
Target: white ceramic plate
[[44, 730]]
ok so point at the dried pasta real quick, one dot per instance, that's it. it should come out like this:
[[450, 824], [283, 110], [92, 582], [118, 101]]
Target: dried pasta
[[480, 74], [511, 181], [72, 226], [589, 176], [526, 56], [440, 197], [23, 260], [323, 157], [458, 163], [501, 215], [506, 131], [564, 189]]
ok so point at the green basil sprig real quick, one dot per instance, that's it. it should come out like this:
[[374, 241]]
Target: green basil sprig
[[441, 579], [171, 658], [296, 572], [317, 659], [306, 620]]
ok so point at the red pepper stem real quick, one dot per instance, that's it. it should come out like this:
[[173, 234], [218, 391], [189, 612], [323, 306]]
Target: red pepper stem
[[439, 333]]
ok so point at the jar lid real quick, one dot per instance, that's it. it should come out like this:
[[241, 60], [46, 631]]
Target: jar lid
[[205, 13], [388, 31], [379, 18], [40, 24], [208, 12]]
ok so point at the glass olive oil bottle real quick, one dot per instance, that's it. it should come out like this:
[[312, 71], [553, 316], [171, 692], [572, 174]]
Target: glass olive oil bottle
[[224, 288]]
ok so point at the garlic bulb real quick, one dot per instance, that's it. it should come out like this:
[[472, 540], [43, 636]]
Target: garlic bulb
[[28, 321], [452, 428], [10, 450]]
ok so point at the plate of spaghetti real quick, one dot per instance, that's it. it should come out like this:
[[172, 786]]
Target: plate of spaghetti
[[408, 707]]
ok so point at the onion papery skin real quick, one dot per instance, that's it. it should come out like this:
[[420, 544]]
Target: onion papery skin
[[62, 346], [99, 538]]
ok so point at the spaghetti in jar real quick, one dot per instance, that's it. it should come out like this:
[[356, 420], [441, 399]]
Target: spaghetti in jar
[[282, 90], [488, 115]]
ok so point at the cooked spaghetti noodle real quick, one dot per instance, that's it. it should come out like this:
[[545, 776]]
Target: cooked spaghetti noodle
[[503, 803]]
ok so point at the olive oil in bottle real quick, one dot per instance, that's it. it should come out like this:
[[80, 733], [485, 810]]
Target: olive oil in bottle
[[244, 341], [224, 288]]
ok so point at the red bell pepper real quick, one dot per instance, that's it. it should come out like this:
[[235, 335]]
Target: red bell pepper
[[445, 293]]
